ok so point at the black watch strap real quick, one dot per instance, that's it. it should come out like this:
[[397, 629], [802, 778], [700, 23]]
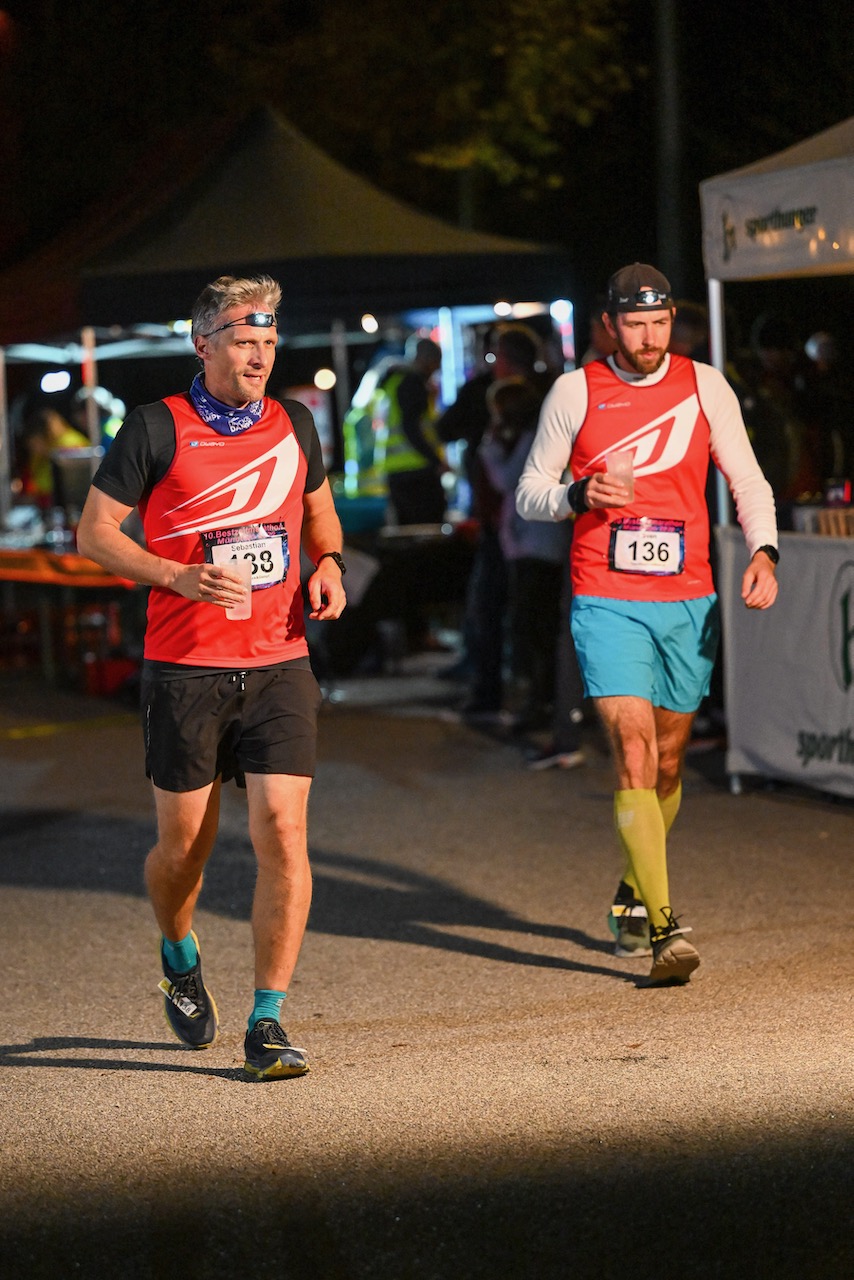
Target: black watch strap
[[771, 552], [333, 555]]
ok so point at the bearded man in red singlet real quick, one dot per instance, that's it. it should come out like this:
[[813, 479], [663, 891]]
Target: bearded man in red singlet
[[230, 486], [644, 613]]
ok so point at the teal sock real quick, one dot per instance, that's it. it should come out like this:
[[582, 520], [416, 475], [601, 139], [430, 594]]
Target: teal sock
[[182, 955], [268, 1004]]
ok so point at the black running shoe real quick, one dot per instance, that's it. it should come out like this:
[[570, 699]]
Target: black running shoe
[[270, 1054], [190, 1008]]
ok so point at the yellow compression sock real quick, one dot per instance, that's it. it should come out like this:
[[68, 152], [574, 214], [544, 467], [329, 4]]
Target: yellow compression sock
[[669, 807], [642, 832]]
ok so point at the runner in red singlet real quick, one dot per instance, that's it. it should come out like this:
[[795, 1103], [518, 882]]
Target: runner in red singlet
[[227, 481], [644, 612]]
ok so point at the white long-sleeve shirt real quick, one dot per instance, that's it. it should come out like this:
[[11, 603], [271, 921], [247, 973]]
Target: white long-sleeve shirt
[[542, 490]]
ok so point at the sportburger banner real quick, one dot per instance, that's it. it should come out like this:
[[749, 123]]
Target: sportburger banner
[[789, 670], [791, 214]]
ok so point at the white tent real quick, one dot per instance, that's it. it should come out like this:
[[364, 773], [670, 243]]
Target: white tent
[[789, 215]]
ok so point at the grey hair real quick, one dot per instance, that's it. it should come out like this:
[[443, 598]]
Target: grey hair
[[230, 291]]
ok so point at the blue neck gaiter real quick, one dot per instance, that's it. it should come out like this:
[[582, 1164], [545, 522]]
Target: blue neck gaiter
[[224, 419]]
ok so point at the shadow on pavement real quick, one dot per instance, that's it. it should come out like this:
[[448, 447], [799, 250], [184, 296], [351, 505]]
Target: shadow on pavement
[[353, 897], [740, 1209], [53, 1052]]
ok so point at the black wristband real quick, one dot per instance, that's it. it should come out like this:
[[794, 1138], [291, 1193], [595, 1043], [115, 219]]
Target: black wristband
[[576, 496], [771, 552], [333, 555]]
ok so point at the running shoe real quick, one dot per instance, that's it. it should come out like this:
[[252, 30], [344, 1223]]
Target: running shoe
[[189, 1006], [270, 1054], [629, 923], [674, 959]]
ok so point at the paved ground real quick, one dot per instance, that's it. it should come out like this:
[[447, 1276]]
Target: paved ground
[[491, 1093]]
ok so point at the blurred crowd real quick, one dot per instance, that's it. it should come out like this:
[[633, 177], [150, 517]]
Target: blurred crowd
[[425, 461], [517, 666]]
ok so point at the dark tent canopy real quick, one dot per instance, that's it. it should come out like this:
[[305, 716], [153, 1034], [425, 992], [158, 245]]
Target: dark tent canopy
[[260, 197], [271, 201]]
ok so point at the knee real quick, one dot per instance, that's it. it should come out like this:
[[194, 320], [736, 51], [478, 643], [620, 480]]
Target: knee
[[669, 775], [279, 836], [178, 854]]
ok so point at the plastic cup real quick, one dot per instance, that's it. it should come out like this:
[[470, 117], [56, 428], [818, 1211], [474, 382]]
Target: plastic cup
[[620, 465], [238, 612]]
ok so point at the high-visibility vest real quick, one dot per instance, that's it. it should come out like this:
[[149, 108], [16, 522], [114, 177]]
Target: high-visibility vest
[[399, 452], [364, 431]]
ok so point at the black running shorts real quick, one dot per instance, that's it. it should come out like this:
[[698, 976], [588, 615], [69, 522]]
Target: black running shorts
[[199, 726]]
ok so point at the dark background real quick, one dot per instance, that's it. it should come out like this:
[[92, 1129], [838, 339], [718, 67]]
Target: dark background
[[87, 90]]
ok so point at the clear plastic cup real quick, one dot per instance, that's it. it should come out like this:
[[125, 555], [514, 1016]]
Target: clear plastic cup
[[620, 465], [238, 612]]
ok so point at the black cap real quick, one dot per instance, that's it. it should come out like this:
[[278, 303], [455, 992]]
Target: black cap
[[638, 288]]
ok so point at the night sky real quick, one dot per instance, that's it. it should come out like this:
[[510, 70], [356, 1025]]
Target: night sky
[[751, 79]]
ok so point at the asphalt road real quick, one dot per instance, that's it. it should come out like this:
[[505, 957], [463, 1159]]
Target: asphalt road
[[491, 1094]]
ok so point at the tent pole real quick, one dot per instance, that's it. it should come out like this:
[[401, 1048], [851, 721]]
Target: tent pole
[[341, 366], [90, 382], [5, 444], [717, 343]]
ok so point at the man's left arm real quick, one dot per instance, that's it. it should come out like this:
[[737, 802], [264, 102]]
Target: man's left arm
[[321, 532], [754, 500]]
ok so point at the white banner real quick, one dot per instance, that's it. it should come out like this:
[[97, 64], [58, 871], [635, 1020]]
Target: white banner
[[789, 223], [789, 670]]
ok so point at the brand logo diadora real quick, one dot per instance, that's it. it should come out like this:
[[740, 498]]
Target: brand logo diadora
[[841, 629], [255, 491], [207, 444], [658, 445]]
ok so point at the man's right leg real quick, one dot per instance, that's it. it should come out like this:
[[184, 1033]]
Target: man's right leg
[[186, 830], [186, 826]]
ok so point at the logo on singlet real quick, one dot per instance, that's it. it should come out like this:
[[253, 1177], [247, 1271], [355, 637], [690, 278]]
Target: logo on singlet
[[256, 491], [659, 445]]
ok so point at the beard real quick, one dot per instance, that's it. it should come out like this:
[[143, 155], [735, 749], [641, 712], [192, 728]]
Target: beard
[[645, 361]]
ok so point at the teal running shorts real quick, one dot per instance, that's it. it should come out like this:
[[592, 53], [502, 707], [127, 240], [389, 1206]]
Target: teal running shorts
[[663, 652]]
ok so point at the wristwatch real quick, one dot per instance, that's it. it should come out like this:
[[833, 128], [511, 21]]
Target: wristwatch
[[771, 552], [333, 555]]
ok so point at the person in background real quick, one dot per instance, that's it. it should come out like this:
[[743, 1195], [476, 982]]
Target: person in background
[[45, 431], [224, 475], [689, 335], [601, 344], [517, 354], [564, 750], [828, 401], [108, 412], [535, 552], [644, 612], [774, 382], [413, 464]]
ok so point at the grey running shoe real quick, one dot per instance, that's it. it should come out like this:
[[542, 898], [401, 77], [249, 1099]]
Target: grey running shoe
[[629, 923], [674, 959], [270, 1054], [189, 1006]]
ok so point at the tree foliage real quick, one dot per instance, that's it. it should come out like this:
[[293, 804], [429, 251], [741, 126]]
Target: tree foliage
[[407, 98], [481, 86]]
